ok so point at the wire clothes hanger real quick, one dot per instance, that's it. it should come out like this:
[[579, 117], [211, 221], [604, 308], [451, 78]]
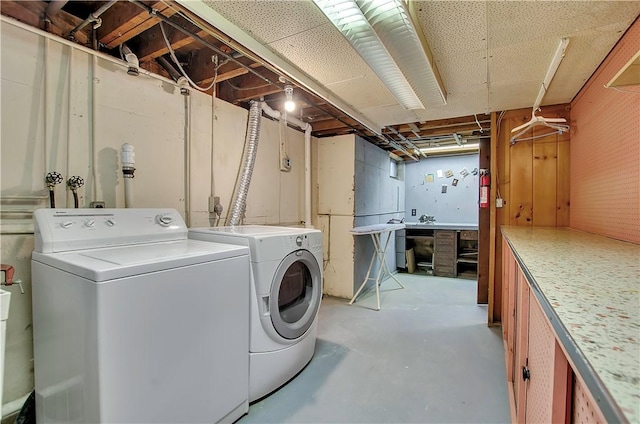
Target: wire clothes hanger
[[559, 125]]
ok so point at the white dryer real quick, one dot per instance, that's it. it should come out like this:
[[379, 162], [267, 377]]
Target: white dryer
[[135, 323], [286, 290]]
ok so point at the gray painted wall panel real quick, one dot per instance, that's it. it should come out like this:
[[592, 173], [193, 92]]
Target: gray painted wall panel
[[459, 204]]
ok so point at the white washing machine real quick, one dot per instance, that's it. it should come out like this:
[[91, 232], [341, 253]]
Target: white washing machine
[[286, 290], [135, 323]]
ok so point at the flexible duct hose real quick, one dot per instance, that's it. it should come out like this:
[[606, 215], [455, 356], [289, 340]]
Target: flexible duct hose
[[239, 200]]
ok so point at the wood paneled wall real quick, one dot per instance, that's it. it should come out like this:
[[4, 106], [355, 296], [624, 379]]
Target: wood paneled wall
[[533, 180]]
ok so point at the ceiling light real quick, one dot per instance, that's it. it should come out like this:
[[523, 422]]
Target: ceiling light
[[289, 104], [383, 32], [453, 148]]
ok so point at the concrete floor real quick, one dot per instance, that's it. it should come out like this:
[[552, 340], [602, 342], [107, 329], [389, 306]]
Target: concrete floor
[[427, 356]]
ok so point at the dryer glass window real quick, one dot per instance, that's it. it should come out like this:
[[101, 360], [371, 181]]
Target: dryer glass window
[[295, 296], [295, 292]]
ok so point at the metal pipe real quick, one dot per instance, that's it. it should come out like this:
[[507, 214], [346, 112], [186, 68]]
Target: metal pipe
[[306, 127], [239, 201], [204, 42], [54, 7], [169, 68], [93, 17], [103, 56], [404, 139]]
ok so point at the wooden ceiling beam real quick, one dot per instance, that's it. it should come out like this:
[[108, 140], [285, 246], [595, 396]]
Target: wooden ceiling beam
[[229, 92], [152, 44], [125, 20], [201, 67], [32, 13]]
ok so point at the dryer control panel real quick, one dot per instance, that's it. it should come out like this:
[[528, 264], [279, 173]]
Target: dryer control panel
[[61, 230]]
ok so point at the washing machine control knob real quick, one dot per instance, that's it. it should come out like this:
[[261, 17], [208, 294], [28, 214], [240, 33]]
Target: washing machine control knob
[[66, 224], [299, 241], [110, 222], [164, 220], [89, 223]]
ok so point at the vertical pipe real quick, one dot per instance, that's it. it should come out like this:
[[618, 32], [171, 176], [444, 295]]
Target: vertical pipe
[[69, 88], [307, 177], [94, 153], [45, 102], [187, 160]]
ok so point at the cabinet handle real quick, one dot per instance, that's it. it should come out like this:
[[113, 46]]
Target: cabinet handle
[[526, 374]]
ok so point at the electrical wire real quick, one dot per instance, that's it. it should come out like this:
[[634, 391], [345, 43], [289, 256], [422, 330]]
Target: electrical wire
[[624, 91], [177, 62], [235, 87]]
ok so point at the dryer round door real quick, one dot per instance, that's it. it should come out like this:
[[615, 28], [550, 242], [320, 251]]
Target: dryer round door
[[296, 291]]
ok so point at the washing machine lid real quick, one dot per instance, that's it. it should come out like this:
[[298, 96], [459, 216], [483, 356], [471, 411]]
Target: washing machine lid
[[101, 265], [253, 230]]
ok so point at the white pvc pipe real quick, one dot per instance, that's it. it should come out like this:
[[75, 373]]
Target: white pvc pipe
[[128, 155], [307, 177], [94, 133], [69, 92], [128, 192], [306, 127], [187, 160], [83, 49]]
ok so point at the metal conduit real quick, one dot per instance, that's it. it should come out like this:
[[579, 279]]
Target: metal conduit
[[204, 42], [239, 199]]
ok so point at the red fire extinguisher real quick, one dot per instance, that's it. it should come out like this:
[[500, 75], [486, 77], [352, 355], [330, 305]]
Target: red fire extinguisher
[[485, 182]]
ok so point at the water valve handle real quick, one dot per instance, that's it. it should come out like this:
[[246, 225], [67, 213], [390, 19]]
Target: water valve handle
[[52, 179], [75, 182], [8, 278]]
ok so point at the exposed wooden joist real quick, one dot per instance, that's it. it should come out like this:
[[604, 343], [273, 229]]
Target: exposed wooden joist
[[152, 45], [125, 20], [32, 13], [252, 86], [201, 68]]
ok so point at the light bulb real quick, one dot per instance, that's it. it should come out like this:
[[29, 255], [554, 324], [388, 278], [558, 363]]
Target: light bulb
[[289, 104]]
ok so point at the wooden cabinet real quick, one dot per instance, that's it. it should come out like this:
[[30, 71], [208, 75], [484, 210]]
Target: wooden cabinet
[[467, 254], [541, 382], [445, 253], [450, 253]]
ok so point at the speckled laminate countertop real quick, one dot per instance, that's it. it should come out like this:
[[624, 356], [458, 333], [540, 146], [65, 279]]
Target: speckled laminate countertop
[[592, 285]]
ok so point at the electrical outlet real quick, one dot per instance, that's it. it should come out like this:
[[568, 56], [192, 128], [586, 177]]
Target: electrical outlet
[[413, 212], [97, 204], [499, 202]]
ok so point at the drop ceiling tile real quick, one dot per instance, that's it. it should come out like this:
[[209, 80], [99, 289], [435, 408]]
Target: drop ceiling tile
[[390, 114], [472, 100], [324, 54], [453, 27], [363, 92], [268, 20], [463, 70], [525, 61], [515, 95]]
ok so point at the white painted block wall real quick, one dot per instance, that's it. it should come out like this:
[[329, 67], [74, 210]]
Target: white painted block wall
[[354, 189], [146, 111]]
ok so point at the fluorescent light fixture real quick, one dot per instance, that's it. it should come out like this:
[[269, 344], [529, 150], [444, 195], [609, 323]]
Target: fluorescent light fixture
[[383, 32], [453, 148], [289, 104]]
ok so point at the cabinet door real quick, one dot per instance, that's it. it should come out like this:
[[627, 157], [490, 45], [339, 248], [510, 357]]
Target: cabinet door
[[521, 345], [548, 388]]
